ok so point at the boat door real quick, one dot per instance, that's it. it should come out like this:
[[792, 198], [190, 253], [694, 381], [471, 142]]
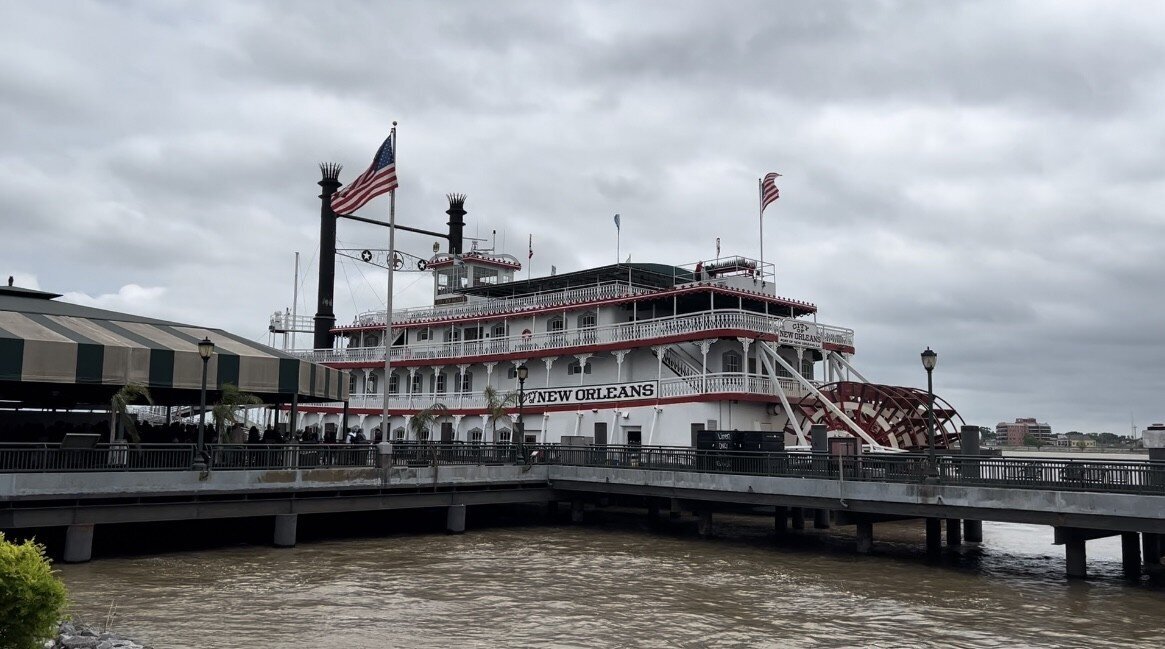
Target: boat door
[[634, 435], [446, 432]]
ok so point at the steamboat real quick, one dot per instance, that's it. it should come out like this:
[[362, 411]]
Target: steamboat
[[628, 353]]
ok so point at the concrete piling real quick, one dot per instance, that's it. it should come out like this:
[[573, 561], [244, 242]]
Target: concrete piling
[[704, 524], [865, 536], [1074, 549], [455, 519], [781, 520], [798, 518], [1130, 554], [954, 532], [285, 525], [934, 536], [78, 543]]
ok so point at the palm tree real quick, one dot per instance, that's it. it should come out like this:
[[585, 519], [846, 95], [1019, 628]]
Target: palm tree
[[497, 406], [230, 402], [424, 420], [119, 407]]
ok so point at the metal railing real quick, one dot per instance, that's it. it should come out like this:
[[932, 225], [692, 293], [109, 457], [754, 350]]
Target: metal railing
[[626, 332], [1123, 476], [50, 458], [1114, 476], [712, 383]]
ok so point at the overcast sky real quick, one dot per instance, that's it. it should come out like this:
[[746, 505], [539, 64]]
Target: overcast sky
[[983, 178]]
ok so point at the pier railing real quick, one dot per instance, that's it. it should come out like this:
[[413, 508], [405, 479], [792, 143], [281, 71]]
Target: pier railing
[[1119, 476]]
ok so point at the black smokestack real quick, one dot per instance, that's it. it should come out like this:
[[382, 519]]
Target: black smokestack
[[456, 214], [325, 316]]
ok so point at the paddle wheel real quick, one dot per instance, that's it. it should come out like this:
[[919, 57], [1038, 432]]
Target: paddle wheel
[[894, 416]]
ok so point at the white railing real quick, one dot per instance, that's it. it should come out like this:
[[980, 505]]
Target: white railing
[[605, 291], [837, 335], [285, 322], [712, 383], [551, 340]]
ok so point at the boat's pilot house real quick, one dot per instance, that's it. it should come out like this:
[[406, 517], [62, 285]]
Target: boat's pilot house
[[454, 273]]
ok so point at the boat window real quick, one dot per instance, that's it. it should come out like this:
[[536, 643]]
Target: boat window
[[423, 333], [503, 436], [454, 334], [352, 382], [370, 384], [513, 372], [475, 435], [440, 378], [555, 324], [731, 362], [578, 368], [499, 331], [393, 383], [418, 382], [485, 276], [398, 432], [371, 341], [422, 435], [466, 382], [807, 368], [472, 333], [586, 320], [444, 280]]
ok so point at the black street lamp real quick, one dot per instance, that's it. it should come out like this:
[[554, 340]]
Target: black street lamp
[[205, 349], [929, 360], [523, 372]]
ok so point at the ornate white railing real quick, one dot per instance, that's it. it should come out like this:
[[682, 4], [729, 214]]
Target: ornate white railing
[[712, 383], [605, 291], [551, 340]]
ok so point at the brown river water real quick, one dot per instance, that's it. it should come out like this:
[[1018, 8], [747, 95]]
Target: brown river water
[[618, 581]]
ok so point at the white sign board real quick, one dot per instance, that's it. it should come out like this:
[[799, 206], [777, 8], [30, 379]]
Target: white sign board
[[592, 393], [801, 334]]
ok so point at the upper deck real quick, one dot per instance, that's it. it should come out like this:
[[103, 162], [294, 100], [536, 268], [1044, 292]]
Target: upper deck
[[606, 285]]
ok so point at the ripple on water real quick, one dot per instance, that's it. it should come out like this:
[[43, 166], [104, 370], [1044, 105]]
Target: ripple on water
[[620, 585]]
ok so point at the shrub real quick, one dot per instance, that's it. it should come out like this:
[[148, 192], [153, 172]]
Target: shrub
[[32, 598]]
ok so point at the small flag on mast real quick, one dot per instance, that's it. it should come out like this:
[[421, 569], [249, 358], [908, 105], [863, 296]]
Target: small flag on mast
[[531, 255], [617, 222], [717, 247], [378, 179], [769, 191]]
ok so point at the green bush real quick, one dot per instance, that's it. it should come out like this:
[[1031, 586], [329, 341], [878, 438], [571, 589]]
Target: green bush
[[32, 598]]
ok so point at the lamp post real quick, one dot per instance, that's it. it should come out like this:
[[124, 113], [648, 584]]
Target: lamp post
[[205, 349], [523, 372], [929, 360]]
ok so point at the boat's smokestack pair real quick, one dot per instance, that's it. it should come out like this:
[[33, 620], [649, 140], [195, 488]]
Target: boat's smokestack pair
[[325, 318]]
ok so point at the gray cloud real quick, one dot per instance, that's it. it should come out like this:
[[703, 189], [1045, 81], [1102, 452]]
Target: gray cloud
[[978, 177]]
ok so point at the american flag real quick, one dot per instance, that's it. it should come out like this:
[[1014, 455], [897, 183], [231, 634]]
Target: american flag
[[768, 190], [376, 180]]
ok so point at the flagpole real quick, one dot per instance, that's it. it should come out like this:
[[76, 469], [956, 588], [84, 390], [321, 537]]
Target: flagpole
[[618, 242], [384, 427], [760, 201]]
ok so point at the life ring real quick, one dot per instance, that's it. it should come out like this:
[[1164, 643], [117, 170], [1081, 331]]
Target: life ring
[[526, 335]]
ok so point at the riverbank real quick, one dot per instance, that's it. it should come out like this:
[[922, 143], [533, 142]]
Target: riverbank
[[72, 635]]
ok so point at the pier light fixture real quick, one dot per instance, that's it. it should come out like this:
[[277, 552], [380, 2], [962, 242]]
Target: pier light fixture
[[523, 372], [205, 350], [929, 360]]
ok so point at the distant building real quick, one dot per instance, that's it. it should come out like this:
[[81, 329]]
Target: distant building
[[1013, 434]]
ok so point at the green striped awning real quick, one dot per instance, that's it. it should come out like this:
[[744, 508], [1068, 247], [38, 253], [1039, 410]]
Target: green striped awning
[[45, 341]]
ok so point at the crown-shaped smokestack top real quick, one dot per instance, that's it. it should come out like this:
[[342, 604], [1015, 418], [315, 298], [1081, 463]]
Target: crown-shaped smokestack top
[[330, 171], [456, 223]]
